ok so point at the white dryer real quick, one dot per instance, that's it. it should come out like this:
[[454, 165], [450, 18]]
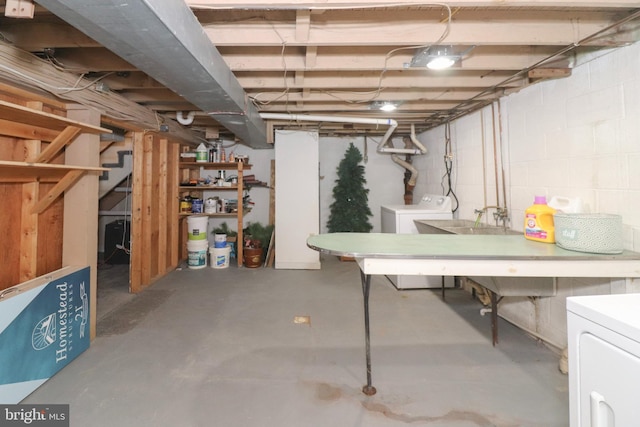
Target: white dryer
[[399, 219], [604, 360]]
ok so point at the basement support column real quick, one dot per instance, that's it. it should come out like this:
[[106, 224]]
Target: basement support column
[[80, 234]]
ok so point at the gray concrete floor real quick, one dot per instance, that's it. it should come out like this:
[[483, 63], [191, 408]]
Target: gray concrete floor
[[220, 347]]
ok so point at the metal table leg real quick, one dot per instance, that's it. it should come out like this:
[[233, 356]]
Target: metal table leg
[[368, 389], [494, 317]]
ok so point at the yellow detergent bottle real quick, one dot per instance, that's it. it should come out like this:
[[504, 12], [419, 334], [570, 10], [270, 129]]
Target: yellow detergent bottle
[[538, 221]]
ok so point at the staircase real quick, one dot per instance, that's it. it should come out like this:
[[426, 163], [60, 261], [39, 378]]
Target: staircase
[[114, 187], [118, 171]]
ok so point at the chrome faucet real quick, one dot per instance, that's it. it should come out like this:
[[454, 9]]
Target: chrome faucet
[[501, 214]]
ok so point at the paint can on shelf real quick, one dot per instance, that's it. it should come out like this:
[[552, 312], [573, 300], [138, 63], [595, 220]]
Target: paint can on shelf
[[197, 253], [197, 227], [196, 206], [185, 205], [219, 240], [210, 205]]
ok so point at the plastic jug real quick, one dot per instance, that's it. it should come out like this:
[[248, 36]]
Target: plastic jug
[[566, 204], [538, 221], [202, 153]]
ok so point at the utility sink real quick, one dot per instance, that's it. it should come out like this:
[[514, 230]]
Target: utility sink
[[459, 226], [498, 287]]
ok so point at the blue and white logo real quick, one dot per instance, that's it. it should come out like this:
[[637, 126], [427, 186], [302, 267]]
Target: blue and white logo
[[44, 334]]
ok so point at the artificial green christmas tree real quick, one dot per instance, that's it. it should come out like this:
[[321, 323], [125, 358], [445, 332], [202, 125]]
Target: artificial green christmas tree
[[350, 208]]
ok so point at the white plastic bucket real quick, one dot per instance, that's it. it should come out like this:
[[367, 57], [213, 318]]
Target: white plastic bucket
[[219, 240], [220, 257], [197, 253], [197, 226]]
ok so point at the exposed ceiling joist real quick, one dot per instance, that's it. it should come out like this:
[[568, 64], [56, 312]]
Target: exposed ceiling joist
[[325, 57], [146, 33]]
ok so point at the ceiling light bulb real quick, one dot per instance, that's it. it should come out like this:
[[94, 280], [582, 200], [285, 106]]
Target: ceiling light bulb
[[388, 107], [440, 63]]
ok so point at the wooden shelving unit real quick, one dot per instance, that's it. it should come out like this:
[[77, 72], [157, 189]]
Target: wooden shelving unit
[[18, 114], [48, 182], [11, 171], [60, 131], [191, 171]]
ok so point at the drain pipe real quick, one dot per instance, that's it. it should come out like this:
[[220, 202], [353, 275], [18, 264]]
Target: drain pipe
[[185, 120], [422, 148], [381, 146], [359, 120], [408, 166]]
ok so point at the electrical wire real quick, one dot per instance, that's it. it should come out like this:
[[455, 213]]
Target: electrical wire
[[21, 69], [374, 93], [389, 54], [448, 165]]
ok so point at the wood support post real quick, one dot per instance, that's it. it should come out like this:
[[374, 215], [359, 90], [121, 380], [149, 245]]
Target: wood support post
[[80, 234]]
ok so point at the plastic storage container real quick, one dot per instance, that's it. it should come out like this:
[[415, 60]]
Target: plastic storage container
[[538, 221]]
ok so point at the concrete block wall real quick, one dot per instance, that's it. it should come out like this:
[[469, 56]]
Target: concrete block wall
[[573, 137]]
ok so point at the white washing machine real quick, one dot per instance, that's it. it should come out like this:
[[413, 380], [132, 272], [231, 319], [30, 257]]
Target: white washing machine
[[604, 360], [399, 219]]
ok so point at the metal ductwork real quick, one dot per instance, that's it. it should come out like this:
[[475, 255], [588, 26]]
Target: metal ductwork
[[164, 39]]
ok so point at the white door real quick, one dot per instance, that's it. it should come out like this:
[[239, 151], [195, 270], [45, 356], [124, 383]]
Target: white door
[[297, 199]]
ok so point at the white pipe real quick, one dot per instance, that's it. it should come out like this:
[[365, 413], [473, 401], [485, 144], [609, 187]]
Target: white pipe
[[315, 118], [360, 120], [422, 148], [185, 120]]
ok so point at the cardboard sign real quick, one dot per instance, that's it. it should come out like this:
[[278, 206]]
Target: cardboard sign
[[44, 325]]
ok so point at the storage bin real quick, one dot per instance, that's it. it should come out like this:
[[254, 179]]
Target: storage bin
[[596, 233]]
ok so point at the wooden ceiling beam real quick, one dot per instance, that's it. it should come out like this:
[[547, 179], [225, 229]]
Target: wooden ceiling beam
[[327, 59], [91, 59], [411, 32], [35, 36], [303, 24], [355, 81], [300, 58], [311, 108], [428, 94], [548, 73]]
